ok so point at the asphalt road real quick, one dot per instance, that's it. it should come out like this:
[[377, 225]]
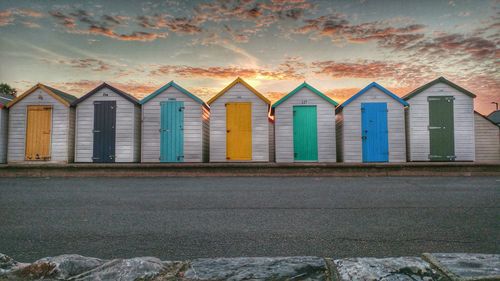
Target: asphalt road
[[182, 218]]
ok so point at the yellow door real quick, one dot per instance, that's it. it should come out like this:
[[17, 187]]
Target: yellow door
[[38, 127], [239, 131]]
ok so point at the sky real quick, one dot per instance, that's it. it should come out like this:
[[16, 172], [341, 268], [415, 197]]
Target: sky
[[338, 47]]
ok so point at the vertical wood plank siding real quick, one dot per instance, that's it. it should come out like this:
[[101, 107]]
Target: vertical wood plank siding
[[4, 117], [195, 126], [61, 138], [260, 124], [272, 142], [325, 125], [339, 128], [463, 113], [351, 127], [487, 139], [127, 127]]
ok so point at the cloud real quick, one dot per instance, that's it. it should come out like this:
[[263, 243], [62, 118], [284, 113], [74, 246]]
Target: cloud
[[175, 24], [86, 63], [6, 17], [400, 73], [103, 27], [459, 45], [338, 28], [9, 16], [64, 20], [134, 36], [288, 70]]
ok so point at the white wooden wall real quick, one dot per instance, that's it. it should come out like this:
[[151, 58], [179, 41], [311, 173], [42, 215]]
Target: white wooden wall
[[487, 140], [463, 113], [193, 127], [127, 128], [4, 118], [260, 124], [60, 139], [352, 150], [325, 124]]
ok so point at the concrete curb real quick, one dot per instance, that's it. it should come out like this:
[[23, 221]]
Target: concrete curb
[[251, 169], [446, 271], [75, 267]]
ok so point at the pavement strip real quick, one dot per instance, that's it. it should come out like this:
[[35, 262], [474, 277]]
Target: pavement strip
[[431, 267], [466, 267]]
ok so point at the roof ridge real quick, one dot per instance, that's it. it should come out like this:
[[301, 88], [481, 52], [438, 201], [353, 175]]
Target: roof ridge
[[310, 88]]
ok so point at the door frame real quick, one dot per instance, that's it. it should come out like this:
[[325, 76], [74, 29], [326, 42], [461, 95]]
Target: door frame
[[161, 133], [251, 128], [443, 158], [93, 128], [293, 129], [26, 130], [364, 152]]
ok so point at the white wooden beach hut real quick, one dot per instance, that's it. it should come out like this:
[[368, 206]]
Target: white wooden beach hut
[[487, 139], [305, 126], [41, 126], [175, 126], [4, 125], [371, 127], [108, 123], [239, 124], [440, 122]]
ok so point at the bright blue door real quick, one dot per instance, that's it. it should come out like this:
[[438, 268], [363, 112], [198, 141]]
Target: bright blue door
[[374, 132], [172, 131]]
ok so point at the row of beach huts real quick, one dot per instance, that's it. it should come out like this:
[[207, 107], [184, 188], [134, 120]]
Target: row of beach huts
[[435, 122]]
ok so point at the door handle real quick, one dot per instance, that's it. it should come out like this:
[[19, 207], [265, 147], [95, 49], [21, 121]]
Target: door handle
[[364, 137]]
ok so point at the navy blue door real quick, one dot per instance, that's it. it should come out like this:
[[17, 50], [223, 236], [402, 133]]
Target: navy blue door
[[374, 132], [104, 131]]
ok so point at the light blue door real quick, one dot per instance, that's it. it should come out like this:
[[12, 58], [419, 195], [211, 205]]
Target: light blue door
[[374, 132], [172, 131]]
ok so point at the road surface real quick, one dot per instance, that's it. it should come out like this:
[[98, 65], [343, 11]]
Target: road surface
[[183, 218]]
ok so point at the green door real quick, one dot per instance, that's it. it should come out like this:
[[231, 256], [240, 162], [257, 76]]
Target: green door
[[441, 131], [305, 133]]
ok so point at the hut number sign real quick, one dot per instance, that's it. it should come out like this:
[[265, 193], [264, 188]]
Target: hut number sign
[[303, 102]]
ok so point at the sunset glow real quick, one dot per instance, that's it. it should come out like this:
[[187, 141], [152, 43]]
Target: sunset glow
[[337, 46]]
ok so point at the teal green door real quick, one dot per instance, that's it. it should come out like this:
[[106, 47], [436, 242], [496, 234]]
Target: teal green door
[[172, 131], [441, 129], [305, 133]]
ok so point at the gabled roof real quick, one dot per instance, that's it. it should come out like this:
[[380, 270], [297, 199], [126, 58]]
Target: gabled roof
[[105, 85], [59, 95], [309, 87], [239, 80], [434, 82], [365, 89], [487, 117], [176, 86], [5, 99], [494, 117]]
